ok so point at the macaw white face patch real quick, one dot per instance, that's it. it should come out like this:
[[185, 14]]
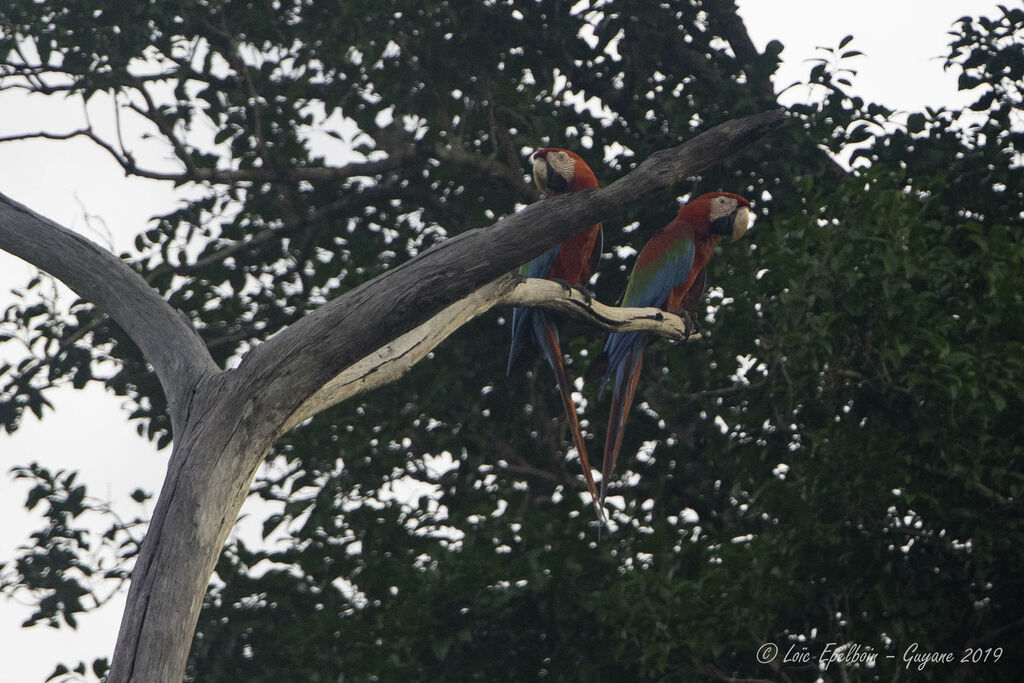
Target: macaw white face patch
[[563, 164], [560, 162], [721, 206]]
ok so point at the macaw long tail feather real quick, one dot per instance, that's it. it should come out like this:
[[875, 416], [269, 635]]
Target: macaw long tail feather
[[522, 319], [547, 338], [622, 399], [617, 350]]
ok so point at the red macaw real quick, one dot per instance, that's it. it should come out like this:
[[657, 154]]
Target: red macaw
[[557, 171], [668, 274]]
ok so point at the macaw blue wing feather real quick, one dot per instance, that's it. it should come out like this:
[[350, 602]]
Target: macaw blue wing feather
[[652, 279], [540, 266], [523, 319], [662, 266]]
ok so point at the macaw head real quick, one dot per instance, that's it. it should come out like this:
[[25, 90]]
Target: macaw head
[[556, 171], [728, 214]]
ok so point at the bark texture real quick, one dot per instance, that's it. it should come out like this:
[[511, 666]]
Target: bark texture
[[226, 421]]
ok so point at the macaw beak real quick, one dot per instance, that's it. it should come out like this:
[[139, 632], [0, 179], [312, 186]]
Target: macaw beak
[[732, 225], [555, 181], [547, 179]]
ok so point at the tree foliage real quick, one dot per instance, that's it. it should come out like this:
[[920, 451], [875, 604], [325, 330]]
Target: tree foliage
[[837, 461]]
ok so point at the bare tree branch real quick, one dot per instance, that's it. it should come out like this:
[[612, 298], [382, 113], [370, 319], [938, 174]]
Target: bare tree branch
[[394, 359], [165, 336], [396, 158], [572, 301], [226, 421], [322, 345]]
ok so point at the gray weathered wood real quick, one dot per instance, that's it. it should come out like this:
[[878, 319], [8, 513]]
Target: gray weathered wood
[[226, 421], [399, 355], [165, 336]]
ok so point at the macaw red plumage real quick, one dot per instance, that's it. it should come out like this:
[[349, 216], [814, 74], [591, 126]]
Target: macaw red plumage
[[669, 274], [557, 171]]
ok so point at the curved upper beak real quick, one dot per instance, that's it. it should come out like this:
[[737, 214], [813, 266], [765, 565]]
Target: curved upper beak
[[540, 173], [732, 225]]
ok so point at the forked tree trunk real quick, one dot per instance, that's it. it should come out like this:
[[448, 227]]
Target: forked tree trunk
[[226, 421]]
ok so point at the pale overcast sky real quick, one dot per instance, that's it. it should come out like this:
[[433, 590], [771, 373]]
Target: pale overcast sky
[[66, 181]]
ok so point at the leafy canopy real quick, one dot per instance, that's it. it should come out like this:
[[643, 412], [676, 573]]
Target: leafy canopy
[[837, 461]]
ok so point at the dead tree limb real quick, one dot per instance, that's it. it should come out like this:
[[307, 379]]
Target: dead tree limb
[[226, 421], [398, 356]]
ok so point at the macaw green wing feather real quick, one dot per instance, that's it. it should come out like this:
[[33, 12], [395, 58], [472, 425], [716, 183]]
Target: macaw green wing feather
[[656, 274], [653, 277]]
